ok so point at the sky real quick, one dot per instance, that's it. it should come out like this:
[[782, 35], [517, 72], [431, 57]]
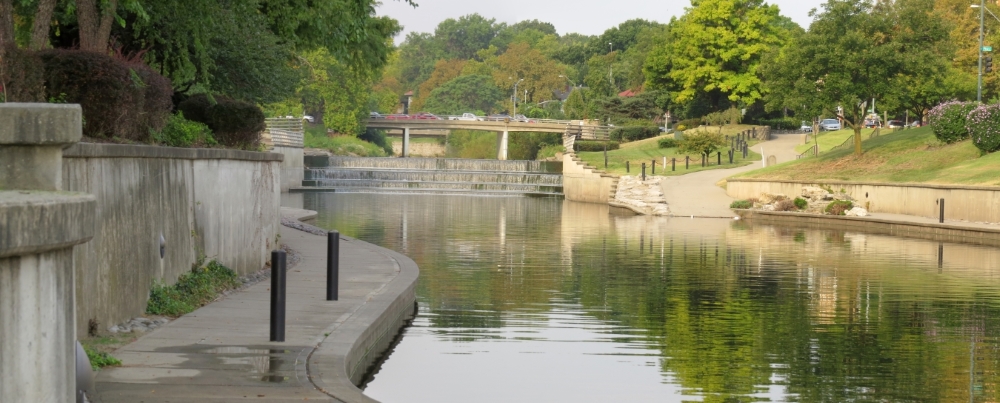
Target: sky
[[588, 17]]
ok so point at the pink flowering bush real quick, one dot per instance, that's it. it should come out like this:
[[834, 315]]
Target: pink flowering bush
[[948, 120], [983, 125]]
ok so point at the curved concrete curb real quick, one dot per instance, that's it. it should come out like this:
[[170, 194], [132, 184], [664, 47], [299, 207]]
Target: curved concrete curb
[[341, 359]]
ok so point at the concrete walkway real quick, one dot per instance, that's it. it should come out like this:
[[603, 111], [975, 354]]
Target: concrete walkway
[[697, 195], [221, 352]]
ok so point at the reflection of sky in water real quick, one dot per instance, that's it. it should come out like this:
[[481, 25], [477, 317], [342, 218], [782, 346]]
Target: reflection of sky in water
[[541, 300]]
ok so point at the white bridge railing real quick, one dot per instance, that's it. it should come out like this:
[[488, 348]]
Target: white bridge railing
[[283, 132]]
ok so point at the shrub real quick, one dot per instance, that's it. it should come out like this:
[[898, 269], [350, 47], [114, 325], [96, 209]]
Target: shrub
[[801, 203], [180, 132], [689, 123], [193, 289], [22, 76], [196, 107], [983, 125], [592, 145], [316, 137], [100, 359], [741, 204], [633, 133], [781, 123], [118, 100], [680, 127], [668, 142], [838, 207], [377, 137], [236, 124], [947, 120], [785, 205]]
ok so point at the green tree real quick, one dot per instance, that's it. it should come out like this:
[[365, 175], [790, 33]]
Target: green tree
[[540, 74], [849, 56], [717, 46], [462, 38], [464, 94], [575, 105], [704, 143]]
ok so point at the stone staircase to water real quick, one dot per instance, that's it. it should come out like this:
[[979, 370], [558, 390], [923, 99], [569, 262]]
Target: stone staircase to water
[[432, 175]]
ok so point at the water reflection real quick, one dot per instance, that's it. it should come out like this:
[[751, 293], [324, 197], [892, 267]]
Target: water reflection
[[544, 300]]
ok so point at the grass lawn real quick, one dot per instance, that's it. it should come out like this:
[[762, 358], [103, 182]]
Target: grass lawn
[[647, 150], [905, 156]]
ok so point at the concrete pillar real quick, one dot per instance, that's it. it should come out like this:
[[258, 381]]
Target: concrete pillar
[[502, 145], [406, 142], [40, 225]]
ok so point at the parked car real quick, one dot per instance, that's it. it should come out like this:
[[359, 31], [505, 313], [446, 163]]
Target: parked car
[[309, 119], [872, 122], [375, 115], [498, 117], [397, 116], [829, 124], [894, 124], [521, 118], [469, 117], [426, 116], [806, 126]]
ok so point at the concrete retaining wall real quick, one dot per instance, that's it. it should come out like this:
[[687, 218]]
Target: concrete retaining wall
[[220, 204], [584, 184], [292, 166], [969, 203]]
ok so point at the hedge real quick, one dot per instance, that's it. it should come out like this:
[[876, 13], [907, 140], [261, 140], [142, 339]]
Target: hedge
[[633, 133], [947, 120], [591, 145], [23, 78]]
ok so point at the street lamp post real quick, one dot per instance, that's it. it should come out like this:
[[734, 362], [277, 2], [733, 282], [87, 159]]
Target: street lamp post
[[979, 87], [515, 97], [611, 78]]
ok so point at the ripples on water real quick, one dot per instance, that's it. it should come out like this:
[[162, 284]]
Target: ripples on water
[[543, 300]]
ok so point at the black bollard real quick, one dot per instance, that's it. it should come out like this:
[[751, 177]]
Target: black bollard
[[730, 156], [941, 215], [643, 171], [332, 265], [626, 167], [652, 168], [718, 157], [687, 162], [278, 295], [673, 164], [605, 155], [703, 158]]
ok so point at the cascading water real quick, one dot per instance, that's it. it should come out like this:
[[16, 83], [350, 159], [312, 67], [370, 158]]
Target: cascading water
[[432, 175]]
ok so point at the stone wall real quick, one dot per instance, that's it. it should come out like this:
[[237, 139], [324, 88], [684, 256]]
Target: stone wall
[[220, 204], [969, 203]]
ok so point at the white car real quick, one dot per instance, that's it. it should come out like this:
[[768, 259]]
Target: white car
[[309, 119], [806, 126], [829, 124], [468, 116]]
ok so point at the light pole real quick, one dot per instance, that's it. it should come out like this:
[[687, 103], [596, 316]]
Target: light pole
[[979, 85], [611, 78], [515, 97]]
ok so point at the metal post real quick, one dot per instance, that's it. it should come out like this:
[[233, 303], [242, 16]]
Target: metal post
[[673, 164], [605, 155], [626, 167], [653, 168], [941, 215], [731, 156], [979, 86], [718, 157], [332, 265], [704, 157], [643, 171], [687, 162], [278, 295]]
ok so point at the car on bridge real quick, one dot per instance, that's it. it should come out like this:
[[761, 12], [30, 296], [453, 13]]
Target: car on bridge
[[426, 116], [469, 117], [375, 115], [397, 116], [499, 117], [521, 118]]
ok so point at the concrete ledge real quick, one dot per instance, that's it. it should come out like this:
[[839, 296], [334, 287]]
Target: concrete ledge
[[40, 124], [36, 222], [91, 150], [848, 183], [937, 232]]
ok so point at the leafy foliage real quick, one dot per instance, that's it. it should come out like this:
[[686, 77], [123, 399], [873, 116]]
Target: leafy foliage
[[100, 359], [464, 94], [668, 142], [838, 207], [591, 145], [193, 289], [741, 204], [316, 137], [21, 76], [983, 126], [704, 143], [800, 203], [633, 133], [948, 120], [180, 132], [235, 123]]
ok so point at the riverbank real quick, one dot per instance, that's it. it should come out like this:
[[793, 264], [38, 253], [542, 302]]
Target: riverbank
[[221, 351]]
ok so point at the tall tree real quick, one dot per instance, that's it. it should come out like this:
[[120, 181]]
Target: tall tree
[[6, 24], [444, 71], [41, 24], [94, 23], [717, 46], [540, 74], [465, 94], [462, 38], [849, 56]]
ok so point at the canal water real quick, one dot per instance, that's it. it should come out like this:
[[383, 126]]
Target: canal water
[[545, 300]]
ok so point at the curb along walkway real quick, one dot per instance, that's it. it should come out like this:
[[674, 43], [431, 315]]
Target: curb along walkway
[[221, 352]]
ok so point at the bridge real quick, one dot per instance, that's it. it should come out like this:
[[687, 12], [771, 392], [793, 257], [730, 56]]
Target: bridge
[[503, 128]]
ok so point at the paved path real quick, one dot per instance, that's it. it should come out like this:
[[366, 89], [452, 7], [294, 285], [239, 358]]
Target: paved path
[[221, 352], [711, 200]]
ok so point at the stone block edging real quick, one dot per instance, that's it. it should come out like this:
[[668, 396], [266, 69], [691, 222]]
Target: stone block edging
[[92, 150], [938, 232]]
